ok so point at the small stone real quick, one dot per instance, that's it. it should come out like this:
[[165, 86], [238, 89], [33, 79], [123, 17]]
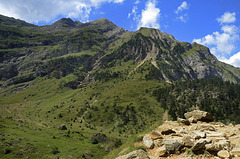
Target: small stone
[[155, 135], [200, 144], [184, 121], [188, 141], [208, 127], [223, 154], [192, 120], [198, 134], [172, 145], [148, 142], [161, 152], [215, 134], [183, 131]]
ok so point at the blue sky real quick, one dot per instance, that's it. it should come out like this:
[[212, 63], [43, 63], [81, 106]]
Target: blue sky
[[213, 23]]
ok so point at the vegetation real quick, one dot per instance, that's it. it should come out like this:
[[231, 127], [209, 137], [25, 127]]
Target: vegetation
[[212, 95]]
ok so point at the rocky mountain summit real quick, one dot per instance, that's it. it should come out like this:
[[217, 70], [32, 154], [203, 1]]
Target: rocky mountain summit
[[197, 136]]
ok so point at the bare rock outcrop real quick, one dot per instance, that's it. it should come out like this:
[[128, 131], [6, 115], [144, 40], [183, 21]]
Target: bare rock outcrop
[[198, 115], [200, 139]]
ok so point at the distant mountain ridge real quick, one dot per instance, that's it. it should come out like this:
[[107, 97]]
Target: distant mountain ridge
[[172, 60]]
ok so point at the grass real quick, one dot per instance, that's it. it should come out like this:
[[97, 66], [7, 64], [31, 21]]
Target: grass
[[31, 117]]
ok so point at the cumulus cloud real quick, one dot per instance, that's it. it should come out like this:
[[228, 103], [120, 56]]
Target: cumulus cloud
[[233, 60], [222, 43], [47, 10], [150, 15], [227, 17], [183, 6]]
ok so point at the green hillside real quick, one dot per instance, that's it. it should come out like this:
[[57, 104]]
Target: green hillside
[[88, 90]]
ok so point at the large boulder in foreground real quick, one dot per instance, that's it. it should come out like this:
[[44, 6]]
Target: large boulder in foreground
[[198, 115]]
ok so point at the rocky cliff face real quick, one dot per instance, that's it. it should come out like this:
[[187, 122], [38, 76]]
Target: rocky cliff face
[[27, 50], [194, 137]]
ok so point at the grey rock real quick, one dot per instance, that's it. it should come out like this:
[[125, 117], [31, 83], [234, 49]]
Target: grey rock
[[138, 154], [215, 134], [218, 146], [199, 145], [188, 141], [161, 151], [197, 134], [199, 115], [172, 145], [184, 121], [148, 142]]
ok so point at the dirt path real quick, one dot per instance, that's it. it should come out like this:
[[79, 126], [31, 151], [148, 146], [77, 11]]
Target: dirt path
[[165, 116]]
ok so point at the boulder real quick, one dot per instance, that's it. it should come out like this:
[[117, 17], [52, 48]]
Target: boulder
[[155, 135], [199, 145], [148, 142], [172, 146], [161, 151], [199, 115], [167, 132], [223, 154], [197, 134], [138, 154], [188, 141], [184, 121]]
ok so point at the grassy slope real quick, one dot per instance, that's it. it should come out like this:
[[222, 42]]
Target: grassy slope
[[30, 118]]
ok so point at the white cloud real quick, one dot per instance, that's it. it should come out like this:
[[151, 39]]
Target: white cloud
[[227, 17], [150, 15], [223, 43], [137, 2], [230, 29], [233, 60], [136, 17], [183, 18], [47, 10], [183, 6]]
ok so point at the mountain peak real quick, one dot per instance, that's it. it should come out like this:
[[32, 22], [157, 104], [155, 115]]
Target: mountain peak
[[155, 33], [14, 22], [64, 22]]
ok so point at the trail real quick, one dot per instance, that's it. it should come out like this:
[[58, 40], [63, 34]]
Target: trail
[[165, 116]]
